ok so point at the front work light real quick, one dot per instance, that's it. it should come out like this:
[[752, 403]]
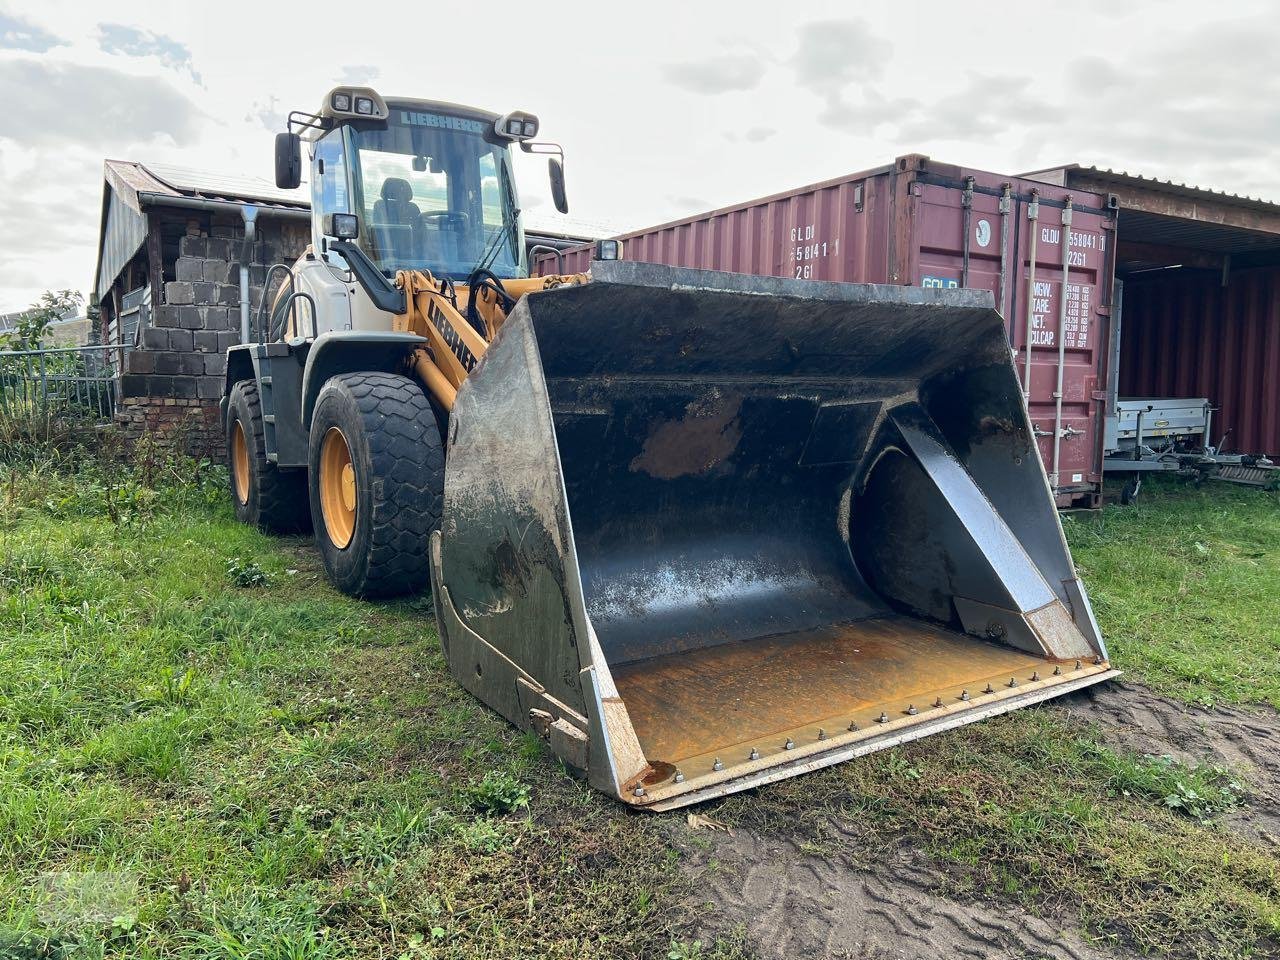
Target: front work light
[[608, 250], [364, 106], [344, 226], [342, 102]]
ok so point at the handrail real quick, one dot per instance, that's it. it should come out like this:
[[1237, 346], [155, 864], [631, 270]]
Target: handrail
[[262, 317]]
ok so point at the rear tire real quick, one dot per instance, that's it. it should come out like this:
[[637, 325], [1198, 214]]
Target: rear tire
[[376, 481], [262, 494]]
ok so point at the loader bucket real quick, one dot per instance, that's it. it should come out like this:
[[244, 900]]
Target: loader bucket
[[704, 531]]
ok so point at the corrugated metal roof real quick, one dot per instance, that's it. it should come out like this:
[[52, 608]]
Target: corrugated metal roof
[[222, 186], [570, 228], [163, 178], [1147, 183]]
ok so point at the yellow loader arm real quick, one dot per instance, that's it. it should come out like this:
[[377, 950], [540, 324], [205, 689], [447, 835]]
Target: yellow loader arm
[[454, 344]]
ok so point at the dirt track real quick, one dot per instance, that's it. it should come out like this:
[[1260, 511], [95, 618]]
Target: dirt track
[[796, 905], [1246, 739], [792, 904]]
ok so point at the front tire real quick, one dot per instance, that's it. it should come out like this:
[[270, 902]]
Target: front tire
[[376, 482], [262, 494]]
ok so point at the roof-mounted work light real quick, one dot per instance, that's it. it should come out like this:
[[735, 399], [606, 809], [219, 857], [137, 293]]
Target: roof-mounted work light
[[517, 125]]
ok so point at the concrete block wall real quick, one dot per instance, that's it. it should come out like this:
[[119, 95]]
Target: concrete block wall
[[173, 379]]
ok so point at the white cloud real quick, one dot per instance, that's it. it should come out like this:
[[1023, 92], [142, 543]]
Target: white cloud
[[18, 34], [68, 102], [138, 42], [661, 111], [725, 73]]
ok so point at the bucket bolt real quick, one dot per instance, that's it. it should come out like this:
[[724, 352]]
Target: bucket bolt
[[937, 701], [1035, 675], [911, 710], [853, 725], [789, 745], [754, 754], [1097, 661], [1057, 671], [1077, 664], [964, 694], [990, 689], [822, 734], [883, 718], [1013, 682], [679, 777], [717, 766], [639, 791]]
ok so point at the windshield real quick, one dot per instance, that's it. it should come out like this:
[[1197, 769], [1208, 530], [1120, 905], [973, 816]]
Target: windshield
[[434, 194]]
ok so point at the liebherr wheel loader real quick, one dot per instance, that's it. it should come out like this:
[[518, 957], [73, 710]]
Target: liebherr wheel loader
[[700, 531]]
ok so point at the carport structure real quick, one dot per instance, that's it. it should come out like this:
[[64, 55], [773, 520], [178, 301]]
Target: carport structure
[[1200, 314]]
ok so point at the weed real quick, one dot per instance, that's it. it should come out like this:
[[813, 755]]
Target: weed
[[680, 950], [246, 573], [497, 792]]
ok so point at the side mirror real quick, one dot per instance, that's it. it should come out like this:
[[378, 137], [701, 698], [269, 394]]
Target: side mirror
[[288, 161], [344, 226], [555, 169]]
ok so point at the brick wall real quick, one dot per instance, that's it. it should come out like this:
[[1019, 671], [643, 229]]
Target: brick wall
[[173, 380]]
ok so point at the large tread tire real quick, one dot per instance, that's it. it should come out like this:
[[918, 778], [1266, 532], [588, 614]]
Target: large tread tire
[[276, 500], [398, 462]]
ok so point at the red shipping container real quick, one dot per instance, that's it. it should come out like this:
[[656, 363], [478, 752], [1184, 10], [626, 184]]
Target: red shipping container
[[924, 223]]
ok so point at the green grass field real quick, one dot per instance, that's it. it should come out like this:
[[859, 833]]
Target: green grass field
[[206, 752], [1186, 584]]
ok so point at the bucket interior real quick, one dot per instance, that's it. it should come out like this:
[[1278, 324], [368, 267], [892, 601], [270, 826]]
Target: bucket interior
[[792, 515], [742, 551]]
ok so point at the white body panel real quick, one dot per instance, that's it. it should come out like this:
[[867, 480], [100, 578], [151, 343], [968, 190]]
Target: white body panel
[[341, 302]]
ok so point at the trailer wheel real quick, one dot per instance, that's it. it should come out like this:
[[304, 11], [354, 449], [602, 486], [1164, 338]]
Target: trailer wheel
[[376, 482], [1131, 489], [262, 494]]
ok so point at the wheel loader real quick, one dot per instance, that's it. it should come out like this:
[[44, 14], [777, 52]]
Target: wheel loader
[[699, 531]]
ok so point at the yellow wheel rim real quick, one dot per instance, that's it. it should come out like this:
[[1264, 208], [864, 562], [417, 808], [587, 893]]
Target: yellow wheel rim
[[337, 488], [240, 463]]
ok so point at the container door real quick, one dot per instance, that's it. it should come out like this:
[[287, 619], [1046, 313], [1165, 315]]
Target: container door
[[979, 231]]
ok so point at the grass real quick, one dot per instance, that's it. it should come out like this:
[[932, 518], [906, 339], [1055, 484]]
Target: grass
[[206, 752], [1186, 586]]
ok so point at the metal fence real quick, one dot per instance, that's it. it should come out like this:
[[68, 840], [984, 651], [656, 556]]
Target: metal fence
[[45, 386]]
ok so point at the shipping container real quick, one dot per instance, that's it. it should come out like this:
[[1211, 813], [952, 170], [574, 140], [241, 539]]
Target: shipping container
[[1198, 333], [923, 223]]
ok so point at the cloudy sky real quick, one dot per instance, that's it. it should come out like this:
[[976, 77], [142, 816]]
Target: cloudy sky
[[664, 109]]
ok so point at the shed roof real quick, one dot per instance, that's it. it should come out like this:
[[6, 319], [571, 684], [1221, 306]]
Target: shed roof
[[1165, 217], [123, 224], [164, 179]]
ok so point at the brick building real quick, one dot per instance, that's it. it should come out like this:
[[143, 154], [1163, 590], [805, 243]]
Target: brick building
[[170, 247]]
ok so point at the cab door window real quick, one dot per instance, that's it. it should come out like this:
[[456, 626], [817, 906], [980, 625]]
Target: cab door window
[[330, 192]]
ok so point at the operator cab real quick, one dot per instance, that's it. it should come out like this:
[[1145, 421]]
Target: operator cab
[[415, 184]]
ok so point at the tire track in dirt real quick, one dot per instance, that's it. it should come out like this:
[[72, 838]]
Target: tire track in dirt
[[793, 905], [1246, 739]]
